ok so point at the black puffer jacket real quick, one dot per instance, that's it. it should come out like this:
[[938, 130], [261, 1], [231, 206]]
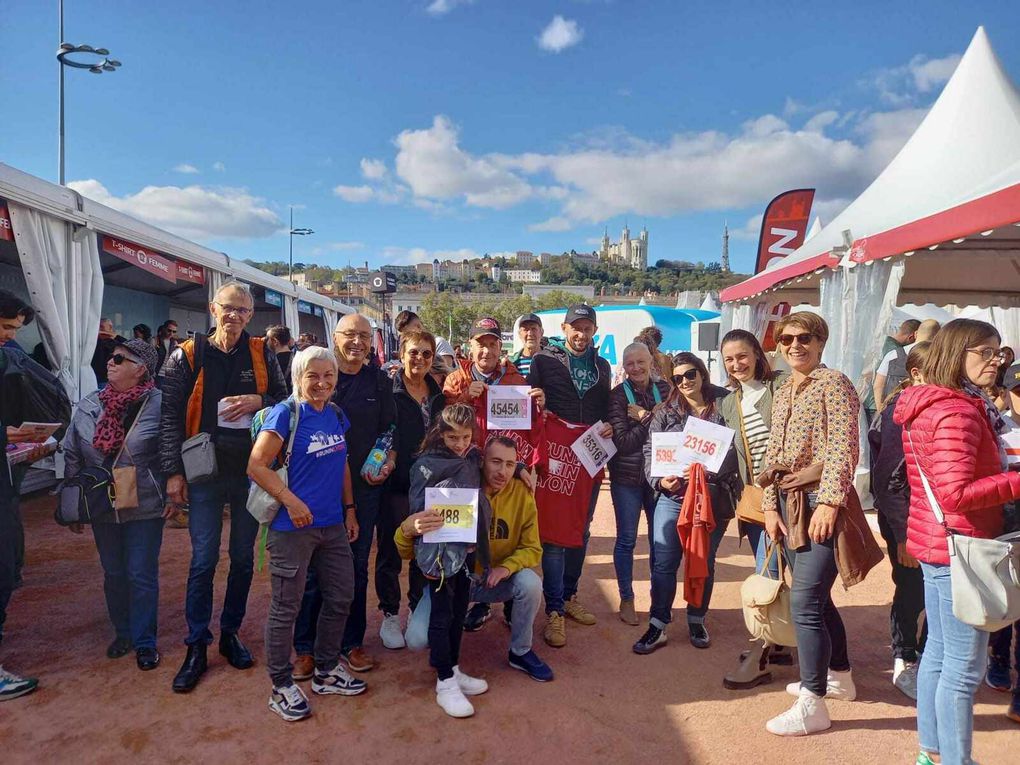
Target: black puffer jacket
[[178, 384], [627, 467], [411, 429], [889, 471], [723, 487], [550, 371]]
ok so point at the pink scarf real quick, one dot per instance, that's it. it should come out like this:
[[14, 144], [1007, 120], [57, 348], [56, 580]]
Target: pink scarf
[[109, 436]]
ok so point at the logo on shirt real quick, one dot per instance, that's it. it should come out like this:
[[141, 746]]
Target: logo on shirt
[[247, 375], [321, 443], [498, 529]]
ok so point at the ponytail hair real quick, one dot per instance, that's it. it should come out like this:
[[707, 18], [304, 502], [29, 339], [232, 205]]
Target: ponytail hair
[[915, 360], [451, 418]]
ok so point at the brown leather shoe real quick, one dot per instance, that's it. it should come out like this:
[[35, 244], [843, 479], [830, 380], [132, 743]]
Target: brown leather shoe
[[304, 666], [358, 660], [627, 613]]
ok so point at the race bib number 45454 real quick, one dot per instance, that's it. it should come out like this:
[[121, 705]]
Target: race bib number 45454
[[508, 407]]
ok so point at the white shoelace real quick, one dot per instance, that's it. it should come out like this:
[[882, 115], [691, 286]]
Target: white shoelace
[[9, 676], [293, 695]]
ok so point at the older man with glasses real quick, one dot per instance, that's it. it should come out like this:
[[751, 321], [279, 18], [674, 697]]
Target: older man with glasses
[[213, 385]]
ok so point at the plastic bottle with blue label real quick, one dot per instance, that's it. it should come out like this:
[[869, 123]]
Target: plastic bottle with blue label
[[377, 457]]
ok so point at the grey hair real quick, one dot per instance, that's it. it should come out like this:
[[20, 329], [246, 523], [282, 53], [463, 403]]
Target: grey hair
[[635, 347], [301, 361], [233, 284]]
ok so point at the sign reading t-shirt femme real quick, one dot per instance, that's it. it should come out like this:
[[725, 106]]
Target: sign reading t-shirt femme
[[6, 229], [154, 262]]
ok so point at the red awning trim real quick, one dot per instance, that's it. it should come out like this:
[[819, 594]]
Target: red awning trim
[[766, 280]]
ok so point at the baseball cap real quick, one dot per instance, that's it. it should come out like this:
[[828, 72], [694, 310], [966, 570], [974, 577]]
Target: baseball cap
[[580, 311], [1012, 377], [486, 326], [142, 351], [529, 317]]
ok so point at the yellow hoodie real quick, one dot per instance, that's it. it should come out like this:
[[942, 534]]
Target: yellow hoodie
[[513, 533]]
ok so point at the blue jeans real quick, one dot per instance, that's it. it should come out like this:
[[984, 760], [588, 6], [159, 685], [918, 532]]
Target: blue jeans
[[668, 555], [205, 525], [561, 566], [628, 501], [525, 589], [129, 553], [952, 666], [366, 499]]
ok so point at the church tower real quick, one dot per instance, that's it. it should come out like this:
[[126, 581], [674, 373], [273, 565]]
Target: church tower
[[605, 244], [640, 259], [625, 245]]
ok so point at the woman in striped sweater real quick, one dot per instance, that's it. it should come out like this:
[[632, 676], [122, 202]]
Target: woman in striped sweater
[[749, 413]]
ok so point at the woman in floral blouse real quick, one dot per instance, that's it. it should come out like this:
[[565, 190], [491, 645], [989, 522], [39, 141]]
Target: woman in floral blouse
[[815, 419]]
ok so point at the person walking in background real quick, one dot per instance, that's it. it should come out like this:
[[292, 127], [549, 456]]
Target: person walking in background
[[119, 427], [631, 404], [892, 370], [576, 382], [693, 395], [142, 332], [810, 503], [951, 432], [663, 364], [892, 500], [166, 341], [530, 333], [214, 384], [748, 412], [874, 394], [316, 522], [105, 344], [280, 342]]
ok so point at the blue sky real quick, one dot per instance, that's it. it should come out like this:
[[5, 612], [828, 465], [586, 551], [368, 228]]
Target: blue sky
[[405, 129]]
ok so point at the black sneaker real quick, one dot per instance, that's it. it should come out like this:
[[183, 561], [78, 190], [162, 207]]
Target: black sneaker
[[997, 677], [290, 703], [477, 615], [508, 613], [699, 635], [529, 663], [652, 640]]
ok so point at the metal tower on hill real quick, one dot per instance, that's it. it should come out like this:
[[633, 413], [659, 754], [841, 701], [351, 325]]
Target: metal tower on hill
[[725, 262]]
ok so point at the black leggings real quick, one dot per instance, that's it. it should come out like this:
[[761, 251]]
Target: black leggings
[[446, 622]]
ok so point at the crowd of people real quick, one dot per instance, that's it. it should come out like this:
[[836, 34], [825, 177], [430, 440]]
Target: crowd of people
[[346, 453]]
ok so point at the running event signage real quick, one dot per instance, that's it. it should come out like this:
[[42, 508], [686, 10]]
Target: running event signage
[[274, 298], [186, 272], [6, 229], [154, 262], [304, 307]]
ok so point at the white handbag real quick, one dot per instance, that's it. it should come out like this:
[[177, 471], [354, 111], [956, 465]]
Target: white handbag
[[262, 505], [766, 603], [985, 573]]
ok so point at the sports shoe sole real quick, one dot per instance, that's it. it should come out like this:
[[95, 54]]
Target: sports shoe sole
[[645, 651], [286, 715], [335, 690], [18, 694], [733, 685], [997, 688], [525, 671], [475, 626]]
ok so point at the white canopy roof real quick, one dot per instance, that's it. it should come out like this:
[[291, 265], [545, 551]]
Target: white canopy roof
[[958, 175]]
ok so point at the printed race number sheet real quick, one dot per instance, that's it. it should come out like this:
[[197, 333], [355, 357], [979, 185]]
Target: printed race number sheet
[[508, 407], [459, 508], [699, 441]]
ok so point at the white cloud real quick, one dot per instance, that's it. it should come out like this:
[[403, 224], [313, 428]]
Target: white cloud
[[187, 169], [559, 35], [194, 212], [219, 167], [443, 7], [356, 194], [373, 169], [930, 73], [434, 166], [412, 255], [345, 246], [901, 85], [556, 223]]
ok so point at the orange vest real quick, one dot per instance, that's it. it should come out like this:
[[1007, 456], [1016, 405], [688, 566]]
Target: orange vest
[[193, 419]]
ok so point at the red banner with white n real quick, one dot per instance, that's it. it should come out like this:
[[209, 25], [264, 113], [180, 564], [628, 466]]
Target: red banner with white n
[[784, 226]]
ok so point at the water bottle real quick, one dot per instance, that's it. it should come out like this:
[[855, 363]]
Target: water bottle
[[377, 457]]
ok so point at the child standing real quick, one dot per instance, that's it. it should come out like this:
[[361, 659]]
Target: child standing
[[448, 459]]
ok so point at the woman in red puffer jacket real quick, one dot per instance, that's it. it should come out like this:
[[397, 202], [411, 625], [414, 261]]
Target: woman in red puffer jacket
[[952, 431]]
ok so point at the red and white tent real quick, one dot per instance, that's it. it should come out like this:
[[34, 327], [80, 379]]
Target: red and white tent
[[947, 206]]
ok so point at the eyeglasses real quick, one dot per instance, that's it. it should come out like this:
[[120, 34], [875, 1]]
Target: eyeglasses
[[120, 358], [987, 354], [804, 338], [349, 335], [690, 374], [413, 352], [239, 310]]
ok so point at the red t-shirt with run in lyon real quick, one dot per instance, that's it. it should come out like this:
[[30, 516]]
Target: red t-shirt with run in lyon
[[564, 486]]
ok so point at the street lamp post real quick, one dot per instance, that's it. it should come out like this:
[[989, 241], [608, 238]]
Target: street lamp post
[[64, 52], [298, 232]]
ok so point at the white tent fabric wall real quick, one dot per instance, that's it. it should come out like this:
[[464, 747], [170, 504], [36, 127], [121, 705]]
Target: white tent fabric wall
[[291, 315], [65, 281], [1006, 320], [329, 318], [216, 280]]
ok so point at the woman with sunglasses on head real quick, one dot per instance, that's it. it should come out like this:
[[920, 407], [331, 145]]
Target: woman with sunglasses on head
[[749, 413], [693, 395], [420, 401], [951, 432], [809, 503], [118, 427]]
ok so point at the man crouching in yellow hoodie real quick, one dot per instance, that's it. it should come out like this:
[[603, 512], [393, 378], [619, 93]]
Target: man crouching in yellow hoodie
[[515, 549]]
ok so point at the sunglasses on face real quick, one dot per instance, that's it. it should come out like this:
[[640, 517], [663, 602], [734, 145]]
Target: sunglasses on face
[[803, 339], [690, 374], [413, 352], [120, 358]]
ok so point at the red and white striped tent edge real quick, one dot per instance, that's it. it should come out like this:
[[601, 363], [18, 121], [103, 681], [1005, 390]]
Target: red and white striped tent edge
[[947, 205]]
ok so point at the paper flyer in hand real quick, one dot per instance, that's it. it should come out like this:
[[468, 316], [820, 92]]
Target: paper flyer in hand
[[459, 508], [508, 407], [706, 442], [593, 450], [668, 458]]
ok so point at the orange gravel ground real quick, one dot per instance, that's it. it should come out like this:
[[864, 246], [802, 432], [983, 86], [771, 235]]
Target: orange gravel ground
[[607, 705]]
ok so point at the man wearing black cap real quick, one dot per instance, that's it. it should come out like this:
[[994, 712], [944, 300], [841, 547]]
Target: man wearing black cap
[[576, 381], [529, 332]]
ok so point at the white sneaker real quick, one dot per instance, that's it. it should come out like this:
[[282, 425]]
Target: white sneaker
[[470, 686], [390, 632], [807, 715], [452, 699], [905, 679], [839, 686], [290, 703]]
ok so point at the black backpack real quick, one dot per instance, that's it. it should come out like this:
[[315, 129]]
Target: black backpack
[[31, 392], [85, 497]]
